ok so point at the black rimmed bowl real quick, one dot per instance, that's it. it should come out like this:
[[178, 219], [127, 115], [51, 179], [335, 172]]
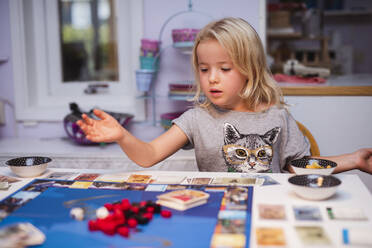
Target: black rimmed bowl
[[314, 187], [309, 165], [28, 166]]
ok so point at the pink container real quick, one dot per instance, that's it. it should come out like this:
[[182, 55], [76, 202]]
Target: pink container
[[185, 34], [149, 45]]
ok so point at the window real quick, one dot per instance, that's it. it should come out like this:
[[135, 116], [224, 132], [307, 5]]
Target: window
[[63, 47]]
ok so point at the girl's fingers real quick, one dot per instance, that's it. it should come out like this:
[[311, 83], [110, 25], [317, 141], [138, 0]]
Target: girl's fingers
[[87, 120], [100, 114]]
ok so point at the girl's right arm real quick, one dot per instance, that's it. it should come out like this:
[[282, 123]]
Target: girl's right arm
[[107, 129]]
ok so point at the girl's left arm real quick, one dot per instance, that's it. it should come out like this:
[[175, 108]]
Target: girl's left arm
[[360, 159]]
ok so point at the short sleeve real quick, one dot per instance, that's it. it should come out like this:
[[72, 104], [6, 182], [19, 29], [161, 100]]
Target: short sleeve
[[185, 122], [294, 143]]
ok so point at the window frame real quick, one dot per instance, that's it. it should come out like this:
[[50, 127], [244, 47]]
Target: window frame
[[33, 70]]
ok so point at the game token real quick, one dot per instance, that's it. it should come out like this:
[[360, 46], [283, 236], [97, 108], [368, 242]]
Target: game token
[[93, 225], [132, 222], [77, 213], [109, 206], [102, 213], [166, 213], [123, 231]]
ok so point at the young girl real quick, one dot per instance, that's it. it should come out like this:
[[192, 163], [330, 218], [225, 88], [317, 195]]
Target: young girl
[[241, 126]]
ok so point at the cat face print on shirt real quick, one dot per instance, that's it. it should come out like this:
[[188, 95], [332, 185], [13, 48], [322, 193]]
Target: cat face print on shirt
[[250, 153]]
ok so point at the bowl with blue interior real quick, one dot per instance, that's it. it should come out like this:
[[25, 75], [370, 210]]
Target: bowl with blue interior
[[314, 187], [28, 166], [310, 165]]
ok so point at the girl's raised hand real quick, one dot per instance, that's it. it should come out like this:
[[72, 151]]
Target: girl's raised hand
[[106, 129]]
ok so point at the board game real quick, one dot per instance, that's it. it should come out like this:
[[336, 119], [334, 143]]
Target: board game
[[225, 220]]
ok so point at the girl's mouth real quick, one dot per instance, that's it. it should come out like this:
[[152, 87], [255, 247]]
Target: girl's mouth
[[215, 92]]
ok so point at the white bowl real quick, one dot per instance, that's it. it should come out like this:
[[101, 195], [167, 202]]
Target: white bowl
[[314, 187], [28, 166], [309, 165]]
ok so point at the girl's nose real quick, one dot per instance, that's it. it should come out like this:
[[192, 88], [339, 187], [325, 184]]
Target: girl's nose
[[213, 77]]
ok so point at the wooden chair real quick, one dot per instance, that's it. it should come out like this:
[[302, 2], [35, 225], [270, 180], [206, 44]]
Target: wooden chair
[[314, 148]]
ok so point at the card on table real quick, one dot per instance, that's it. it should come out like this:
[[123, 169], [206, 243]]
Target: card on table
[[138, 178], [233, 181], [62, 175], [116, 177], [81, 185], [307, 213], [230, 226], [346, 213], [21, 235], [270, 236], [312, 235], [162, 179], [156, 187], [8, 179], [179, 206], [201, 180], [87, 177], [184, 197], [228, 240], [270, 211], [358, 236]]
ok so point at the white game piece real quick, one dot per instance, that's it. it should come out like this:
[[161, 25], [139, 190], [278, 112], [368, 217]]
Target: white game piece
[[77, 213], [102, 213]]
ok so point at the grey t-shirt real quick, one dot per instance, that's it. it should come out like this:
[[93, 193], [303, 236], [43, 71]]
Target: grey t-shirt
[[248, 142]]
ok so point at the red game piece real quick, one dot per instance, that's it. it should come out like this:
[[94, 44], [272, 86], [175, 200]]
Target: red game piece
[[135, 209], [109, 206], [125, 204], [108, 228], [143, 203], [132, 222], [148, 215], [150, 209], [118, 214], [93, 225], [166, 213], [123, 231]]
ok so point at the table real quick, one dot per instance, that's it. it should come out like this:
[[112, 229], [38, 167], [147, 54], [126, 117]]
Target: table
[[352, 193]]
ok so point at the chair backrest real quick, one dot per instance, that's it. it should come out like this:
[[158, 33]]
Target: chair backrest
[[314, 148]]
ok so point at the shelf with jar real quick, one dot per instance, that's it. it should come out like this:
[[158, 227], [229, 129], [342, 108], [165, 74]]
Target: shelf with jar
[[151, 53]]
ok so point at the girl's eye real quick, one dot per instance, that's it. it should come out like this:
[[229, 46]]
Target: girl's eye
[[203, 69], [225, 69]]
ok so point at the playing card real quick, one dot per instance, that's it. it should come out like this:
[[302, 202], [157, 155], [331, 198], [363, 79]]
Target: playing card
[[162, 179], [80, 185], [269, 211], [357, 236], [230, 226], [116, 177], [186, 196], [87, 177], [179, 206], [20, 235], [139, 178], [8, 179], [201, 180], [346, 213], [233, 181], [62, 175], [312, 235], [270, 236], [307, 213], [228, 240], [109, 185], [156, 187]]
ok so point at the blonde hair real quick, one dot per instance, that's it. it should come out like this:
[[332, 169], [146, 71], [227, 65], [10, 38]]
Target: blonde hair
[[245, 49]]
